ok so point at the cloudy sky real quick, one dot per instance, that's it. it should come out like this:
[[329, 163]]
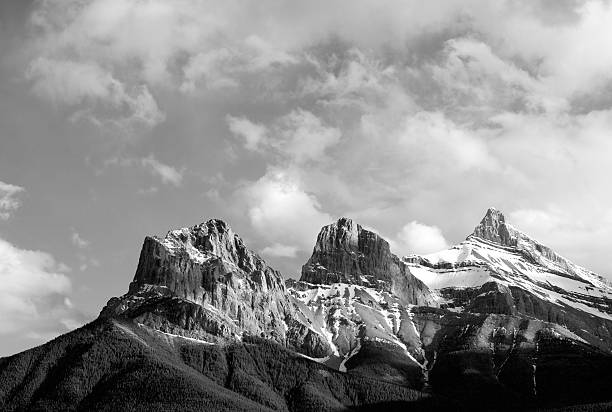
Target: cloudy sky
[[124, 118]]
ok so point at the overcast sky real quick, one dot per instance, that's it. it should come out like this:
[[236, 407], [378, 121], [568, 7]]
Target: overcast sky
[[126, 118]]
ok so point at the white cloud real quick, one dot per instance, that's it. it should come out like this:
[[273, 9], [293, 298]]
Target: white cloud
[[389, 112], [225, 66], [9, 201], [168, 174], [418, 238], [581, 238], [281, 212], [355, 80], [473, 78], [65, 81], [33, 292], [297, 137], [430, 136], [207, 68], [78, 241], [86, 83], [253, 134], [303, 137], [279, 250]]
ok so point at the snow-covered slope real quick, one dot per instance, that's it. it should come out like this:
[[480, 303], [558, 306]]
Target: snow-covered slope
[[498, 252], [361, 309], [352, 315], [498, 287]]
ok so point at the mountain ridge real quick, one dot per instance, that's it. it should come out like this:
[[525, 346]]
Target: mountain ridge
[[496, 316]]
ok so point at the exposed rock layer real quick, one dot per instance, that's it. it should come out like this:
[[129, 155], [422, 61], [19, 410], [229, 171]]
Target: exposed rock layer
[[204, 282], [345, 252]]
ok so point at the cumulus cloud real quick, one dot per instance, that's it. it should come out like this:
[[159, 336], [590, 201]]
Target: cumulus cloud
[[302, 136], [297, 137], [86, 83], [9, 199], [223, 67], [430, 136], [392, 112], [576, 236], [34, 293], [283, 213], [418, 238], [253, 134]]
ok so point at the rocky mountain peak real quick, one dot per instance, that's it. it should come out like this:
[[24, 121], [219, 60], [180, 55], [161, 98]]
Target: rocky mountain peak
[[203, 282], [214, 238], [343, 233], [345, 252], [204, 266], [493, 227]]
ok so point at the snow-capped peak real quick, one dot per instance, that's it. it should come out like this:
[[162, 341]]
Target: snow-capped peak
[[497, 252]]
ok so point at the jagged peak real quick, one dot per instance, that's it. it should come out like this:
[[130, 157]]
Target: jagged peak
[[494, 228], [213, 238], [345, 222], [493, 211], [211, 226]]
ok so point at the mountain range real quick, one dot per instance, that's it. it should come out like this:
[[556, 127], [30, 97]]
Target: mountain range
[[497, 322]]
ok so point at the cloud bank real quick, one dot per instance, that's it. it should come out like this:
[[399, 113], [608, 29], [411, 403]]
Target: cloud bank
[[34, 294], [393, 112]]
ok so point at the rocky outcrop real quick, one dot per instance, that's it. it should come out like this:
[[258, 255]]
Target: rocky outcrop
[[493, 228], [500, 270], [493, 297], [345, 252], [203, 282], [486, 354]]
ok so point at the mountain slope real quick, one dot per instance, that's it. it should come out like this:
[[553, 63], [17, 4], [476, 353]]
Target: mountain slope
[[110, 365], [345, 252], [498, 269], [502, 324], [203, 282], [498, 322]]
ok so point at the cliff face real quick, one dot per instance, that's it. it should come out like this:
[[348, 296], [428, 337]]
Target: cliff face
[[493, 228], [203, 282], [512, 320], [345, 252]]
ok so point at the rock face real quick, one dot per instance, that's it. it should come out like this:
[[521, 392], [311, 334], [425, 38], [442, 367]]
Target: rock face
[[358, 294], [496, 317], [345, 252], [499, 269], [493, 228], [203, 282]]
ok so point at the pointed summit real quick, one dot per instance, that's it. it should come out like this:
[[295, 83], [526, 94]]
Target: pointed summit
[[493, 227]]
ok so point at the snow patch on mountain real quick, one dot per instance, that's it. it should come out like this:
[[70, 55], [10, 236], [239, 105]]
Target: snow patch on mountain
[[498, 252]]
